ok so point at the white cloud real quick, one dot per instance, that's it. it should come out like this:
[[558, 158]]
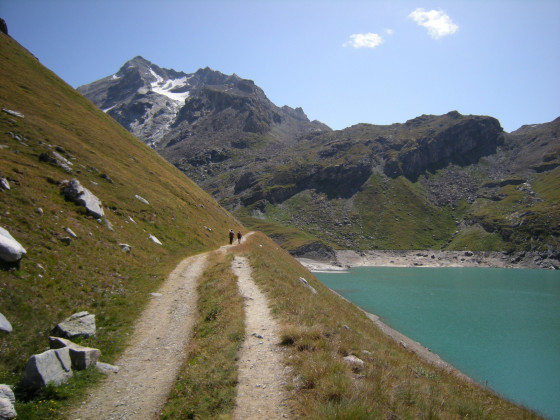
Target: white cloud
[[368, 40], [389, 31], [436, 21]]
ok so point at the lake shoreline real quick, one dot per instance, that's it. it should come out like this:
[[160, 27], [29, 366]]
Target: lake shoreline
[[413, 346], [346, 259]]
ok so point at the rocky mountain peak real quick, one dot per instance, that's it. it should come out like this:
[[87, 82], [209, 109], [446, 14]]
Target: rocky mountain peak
[[163, 107]]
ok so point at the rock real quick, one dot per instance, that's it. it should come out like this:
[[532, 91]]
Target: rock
[[106, 368], [5, 324], [75, 192], [154, 239], [4, 183], [51, 366], [66, 240], [70, 232], [307, 285], [7, 410], [143, 200], [13, 113], [354, 362], [3, 26], [6, 392], [125, 248], [81, 324], [106, 178], [57, 159], [81, 357], [10, 249]]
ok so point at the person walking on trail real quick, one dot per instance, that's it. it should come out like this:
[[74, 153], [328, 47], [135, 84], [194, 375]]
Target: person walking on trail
[[231, 236], [239, 237]]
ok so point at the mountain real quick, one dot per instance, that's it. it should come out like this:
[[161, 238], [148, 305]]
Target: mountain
[[448, 181], [164, 107]]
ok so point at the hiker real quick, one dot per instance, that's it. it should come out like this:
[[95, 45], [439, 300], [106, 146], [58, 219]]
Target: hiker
[[231, 236], [239, 237]]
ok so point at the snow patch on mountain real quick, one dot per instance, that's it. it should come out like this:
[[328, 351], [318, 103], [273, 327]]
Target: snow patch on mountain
[[167, 87]]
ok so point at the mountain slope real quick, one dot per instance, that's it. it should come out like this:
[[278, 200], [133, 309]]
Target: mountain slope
[[450, 181], [60, 274]]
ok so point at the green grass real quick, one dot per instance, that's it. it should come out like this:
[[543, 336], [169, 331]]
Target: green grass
[[206, 386]]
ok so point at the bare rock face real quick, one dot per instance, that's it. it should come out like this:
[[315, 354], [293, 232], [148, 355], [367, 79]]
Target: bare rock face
[[464, 141], [51, 366]]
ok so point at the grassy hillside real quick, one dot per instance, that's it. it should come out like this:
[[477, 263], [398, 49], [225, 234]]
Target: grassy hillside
[[91, 272]]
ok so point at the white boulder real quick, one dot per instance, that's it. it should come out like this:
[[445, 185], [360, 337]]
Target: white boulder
[[10, 249]]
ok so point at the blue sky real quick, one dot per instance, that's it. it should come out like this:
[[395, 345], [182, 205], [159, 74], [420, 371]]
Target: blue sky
[[343, 62]]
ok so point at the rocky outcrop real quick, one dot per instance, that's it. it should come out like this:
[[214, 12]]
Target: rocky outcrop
[[74, 191], [56, 159], [314, 250], [461, 143], [3, 26]]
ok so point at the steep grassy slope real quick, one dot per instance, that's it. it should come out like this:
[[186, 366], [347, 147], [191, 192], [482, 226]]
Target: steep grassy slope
[[91, 272]]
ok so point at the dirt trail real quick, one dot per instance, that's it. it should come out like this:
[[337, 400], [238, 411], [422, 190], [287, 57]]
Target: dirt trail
[[149, 367], [262, 375]]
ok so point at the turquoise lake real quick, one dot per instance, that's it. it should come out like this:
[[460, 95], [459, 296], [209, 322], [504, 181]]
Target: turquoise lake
[[501, 327]]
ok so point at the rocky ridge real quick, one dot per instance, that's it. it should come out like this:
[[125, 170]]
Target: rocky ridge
[[435, 181]]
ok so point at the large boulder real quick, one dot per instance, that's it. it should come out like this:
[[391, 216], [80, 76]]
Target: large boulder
[[80, 324], [74, 191], [81, 357], [10, 250], [5, 324], [51, 366]]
